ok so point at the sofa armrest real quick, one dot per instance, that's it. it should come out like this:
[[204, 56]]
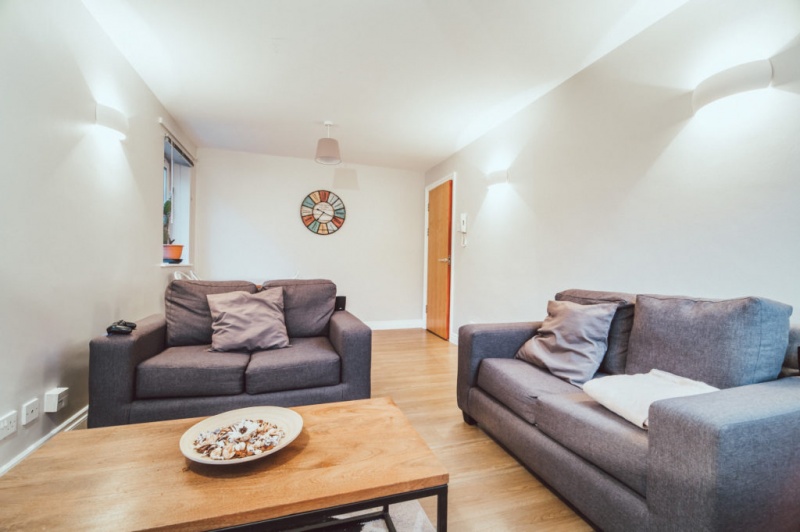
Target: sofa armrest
[[488, 340], [728, 460], [352, 340], [112, 369]]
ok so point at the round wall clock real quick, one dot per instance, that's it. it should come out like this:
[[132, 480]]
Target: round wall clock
[[322, 212]]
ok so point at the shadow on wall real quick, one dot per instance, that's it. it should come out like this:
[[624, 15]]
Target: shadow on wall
[[603, 138], [345, 178], [597, 135]]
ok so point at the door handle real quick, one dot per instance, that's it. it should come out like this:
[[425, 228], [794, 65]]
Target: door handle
[[446, 259]]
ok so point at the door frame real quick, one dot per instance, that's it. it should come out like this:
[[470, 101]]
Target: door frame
[[453, 338]]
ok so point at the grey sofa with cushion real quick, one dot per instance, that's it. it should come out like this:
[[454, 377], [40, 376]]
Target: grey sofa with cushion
[[166, 370], [724, 461]]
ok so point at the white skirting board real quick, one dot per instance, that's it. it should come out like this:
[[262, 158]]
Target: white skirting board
[[395, 324], [405, 324], [76, 419]]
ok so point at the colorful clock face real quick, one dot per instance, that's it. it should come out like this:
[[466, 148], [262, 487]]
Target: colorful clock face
[[322, 212]]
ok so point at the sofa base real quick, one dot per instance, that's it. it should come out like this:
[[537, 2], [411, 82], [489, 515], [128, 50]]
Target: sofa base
[[606, 502], [147, 410]]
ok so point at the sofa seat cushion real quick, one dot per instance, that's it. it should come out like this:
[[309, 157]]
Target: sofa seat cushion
[[306, 363], [517, 384], [191, 371], [601, 437]]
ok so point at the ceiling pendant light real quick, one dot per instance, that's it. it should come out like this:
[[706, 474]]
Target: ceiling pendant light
[[328, 148]]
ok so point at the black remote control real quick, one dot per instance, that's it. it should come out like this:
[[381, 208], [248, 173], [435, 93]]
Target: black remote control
[[115, 328]]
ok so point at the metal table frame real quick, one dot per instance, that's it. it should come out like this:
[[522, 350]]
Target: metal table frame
[[319, 519]]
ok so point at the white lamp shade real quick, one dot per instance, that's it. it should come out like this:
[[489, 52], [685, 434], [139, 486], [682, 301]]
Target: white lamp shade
[[112, 118], [741, 78], [328, 151]]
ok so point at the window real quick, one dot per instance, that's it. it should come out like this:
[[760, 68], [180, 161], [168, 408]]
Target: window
[[177, 215]]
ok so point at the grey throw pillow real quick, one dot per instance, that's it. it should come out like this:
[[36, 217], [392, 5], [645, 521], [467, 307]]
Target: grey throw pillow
[[572, 340], [248, 322], [620, 331]]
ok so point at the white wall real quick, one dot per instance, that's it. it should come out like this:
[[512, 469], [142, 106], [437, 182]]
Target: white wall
[[249, 227], [616, 186], [79, 210]]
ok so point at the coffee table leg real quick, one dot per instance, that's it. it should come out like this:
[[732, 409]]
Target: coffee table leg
[[388, 519], [441, 510]]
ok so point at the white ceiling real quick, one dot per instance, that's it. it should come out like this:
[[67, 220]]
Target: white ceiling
[[406, 82]]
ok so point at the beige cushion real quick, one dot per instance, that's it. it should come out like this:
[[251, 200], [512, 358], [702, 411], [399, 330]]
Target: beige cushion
[[248, 322], [572, 340]]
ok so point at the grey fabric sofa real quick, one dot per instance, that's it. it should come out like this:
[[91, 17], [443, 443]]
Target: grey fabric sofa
[[723, 461], [165, 370]]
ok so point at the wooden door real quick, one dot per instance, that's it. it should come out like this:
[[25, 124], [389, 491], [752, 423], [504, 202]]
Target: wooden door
[[440, 203]]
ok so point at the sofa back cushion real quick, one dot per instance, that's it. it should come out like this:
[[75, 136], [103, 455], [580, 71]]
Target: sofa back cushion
[[307, 305], [620, 331], [187, 312], [724, 343], [792, 359]]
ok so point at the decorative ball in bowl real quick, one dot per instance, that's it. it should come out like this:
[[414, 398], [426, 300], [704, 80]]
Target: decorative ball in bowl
[[241, 435]]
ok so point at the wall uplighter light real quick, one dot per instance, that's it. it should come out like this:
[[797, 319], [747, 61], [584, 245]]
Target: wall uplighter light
[[112, 119], [741, 78], [499, 177]]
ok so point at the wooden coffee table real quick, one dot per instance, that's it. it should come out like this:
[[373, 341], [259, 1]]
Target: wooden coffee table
[[349, 456]]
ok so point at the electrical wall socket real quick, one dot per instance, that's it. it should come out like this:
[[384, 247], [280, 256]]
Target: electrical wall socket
[[30, 411], [8, 424]]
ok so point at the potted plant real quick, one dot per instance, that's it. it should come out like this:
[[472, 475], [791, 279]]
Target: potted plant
[[172, 252]]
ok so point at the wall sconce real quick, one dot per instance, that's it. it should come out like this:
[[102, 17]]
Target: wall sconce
[[112, 119], [741, 78], [328, 148], [499, 177]]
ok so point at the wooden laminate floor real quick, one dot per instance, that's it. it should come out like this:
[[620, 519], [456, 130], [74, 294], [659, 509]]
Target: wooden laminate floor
[[489, 490]]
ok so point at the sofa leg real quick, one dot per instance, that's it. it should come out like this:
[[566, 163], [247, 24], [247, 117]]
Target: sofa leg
[[469, 420]]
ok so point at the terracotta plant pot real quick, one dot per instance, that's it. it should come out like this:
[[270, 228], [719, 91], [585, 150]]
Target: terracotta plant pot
[[172, 252]]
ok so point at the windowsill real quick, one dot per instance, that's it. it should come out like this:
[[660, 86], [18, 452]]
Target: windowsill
[[181, 265]]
